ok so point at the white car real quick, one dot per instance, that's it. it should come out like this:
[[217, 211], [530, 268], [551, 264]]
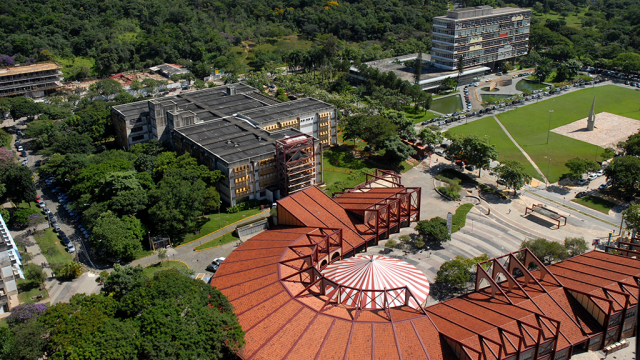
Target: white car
[[592, 176], [600, 172], [582, 181], [20, 149]]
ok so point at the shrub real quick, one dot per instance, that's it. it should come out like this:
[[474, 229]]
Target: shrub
[[460, 217], [391, 243], [435, 229], [405, 238]]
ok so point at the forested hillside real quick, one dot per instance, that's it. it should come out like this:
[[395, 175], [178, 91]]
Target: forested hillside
[[123, 34]]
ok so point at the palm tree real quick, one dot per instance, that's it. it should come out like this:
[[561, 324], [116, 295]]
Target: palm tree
[[460, 69]]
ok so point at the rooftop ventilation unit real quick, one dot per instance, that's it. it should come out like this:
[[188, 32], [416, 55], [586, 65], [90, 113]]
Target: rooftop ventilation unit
[[231, 91]]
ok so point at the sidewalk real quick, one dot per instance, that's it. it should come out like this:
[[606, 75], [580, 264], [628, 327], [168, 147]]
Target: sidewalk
[[198, 260]]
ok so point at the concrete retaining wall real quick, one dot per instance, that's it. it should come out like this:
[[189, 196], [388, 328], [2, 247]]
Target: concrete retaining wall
[[252, 228]]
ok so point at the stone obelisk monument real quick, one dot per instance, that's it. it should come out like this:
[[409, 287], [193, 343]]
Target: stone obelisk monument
[[592, 117]]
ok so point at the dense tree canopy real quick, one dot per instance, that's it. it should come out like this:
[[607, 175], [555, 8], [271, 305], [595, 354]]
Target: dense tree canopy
[[169, 316]]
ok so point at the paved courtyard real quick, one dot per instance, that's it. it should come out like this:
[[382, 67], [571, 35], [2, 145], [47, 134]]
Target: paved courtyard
[[608, 131]]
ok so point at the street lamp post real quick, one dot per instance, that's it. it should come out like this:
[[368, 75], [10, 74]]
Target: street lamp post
[[549, 131], [548, 167]]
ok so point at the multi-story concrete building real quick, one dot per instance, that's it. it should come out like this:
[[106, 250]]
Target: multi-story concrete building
[[10, 271], [234, 129], [32, 80], [142, 121], [482, 34]]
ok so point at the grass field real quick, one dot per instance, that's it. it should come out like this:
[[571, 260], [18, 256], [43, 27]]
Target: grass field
[[529, 124], [271, 45], [71, 65], [596, 203], [226, 238], [52, 248], [163, 265], [213, 224], [25, 205], [30, 290], [505, 147], [446, 93], [420, 116]]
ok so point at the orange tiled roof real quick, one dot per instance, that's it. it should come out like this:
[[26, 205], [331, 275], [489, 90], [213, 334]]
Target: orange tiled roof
[[285, 319]]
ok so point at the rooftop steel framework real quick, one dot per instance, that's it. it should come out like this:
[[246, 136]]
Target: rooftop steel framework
[[296, 163]]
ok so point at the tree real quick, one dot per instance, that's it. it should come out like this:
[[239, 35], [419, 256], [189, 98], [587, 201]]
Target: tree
[[377, 130], [579, 166], [430, 137], [162, 254], [211, 200], [35, 274], [624, 172], [448, 83], [21, 216], [575, 246], [122, 280], [118, 237], [434, 229], [105, 87], [5, 215], [176, 203], [472, 150], [24, 341], [23, 106], [35, 219], [514, 174], [632, 145], [543, 70], [417, 69], [397, 150], [632, 217], [454, 273], [545, 250], [538, 7], [27, 312], [353, 126]]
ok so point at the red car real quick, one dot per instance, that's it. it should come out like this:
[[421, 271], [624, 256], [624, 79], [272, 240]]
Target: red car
[[460, 163], [38, 199]]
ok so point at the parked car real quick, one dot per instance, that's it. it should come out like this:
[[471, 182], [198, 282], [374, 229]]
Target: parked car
[[470, 167], [56, 227], [581, 194], [582, 181], [592, 176], [600, 172], [20, 148], [215, 264], [70, 247], [460, 163], [501, 181]]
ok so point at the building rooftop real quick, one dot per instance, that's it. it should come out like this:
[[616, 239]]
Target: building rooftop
[[23, 69], [169, 69], [232, 139], [286, 312], [478, 11], [429, 73], [284, 110]]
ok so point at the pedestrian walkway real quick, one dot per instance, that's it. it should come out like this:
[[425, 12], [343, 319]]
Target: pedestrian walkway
[[198, 260], [521, 149]]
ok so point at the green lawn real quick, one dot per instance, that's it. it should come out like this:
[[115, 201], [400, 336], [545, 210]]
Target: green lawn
[[460, 217], [25, 205], [52, 248], [596, 203], [507, 150], [213, 224], [360, 144], [420, 116], [529, 124], [30, 290], [69, 63], [163, 265], [226, 238], [572, 20], [446, 93]]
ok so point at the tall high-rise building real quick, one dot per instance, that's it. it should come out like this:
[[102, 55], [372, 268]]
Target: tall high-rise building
[[482, 34]]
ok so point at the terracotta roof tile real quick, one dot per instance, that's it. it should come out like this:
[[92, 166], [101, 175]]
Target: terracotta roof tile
[[436, 347], [361, 344], [241, 289], [280, 344], [385, 342], [309, 343], [228, 280], [234, 267], [410, 346], [257, 297], [263, 332], [262, 311], [336, 344]]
